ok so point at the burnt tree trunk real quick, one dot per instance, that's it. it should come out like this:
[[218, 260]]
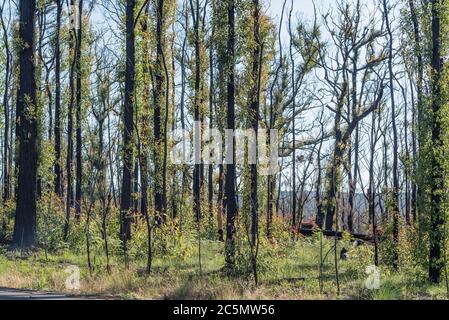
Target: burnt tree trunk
[[159, 201], [79, 142], [69, 159], [254, 118], [58, 170], [210, 186], [6, 146], [318, 199], [25, 221], [437, 212], [197, 178], [128, 119], [231, 201]]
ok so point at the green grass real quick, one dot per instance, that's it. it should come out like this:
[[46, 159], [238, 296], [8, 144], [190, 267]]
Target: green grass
[[288, 270]]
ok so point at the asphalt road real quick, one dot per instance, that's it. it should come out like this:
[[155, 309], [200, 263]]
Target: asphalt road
[[14, 294]]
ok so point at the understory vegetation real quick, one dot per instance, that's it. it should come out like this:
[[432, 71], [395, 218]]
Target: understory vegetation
[[288, 266]]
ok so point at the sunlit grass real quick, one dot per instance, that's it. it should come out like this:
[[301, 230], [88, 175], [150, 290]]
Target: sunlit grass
[[288, 271]]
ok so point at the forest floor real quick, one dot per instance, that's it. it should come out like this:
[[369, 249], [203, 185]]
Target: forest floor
[[289, 272], [21, 294]]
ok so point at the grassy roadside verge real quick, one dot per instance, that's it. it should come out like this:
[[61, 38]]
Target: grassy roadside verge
[[289, 272]]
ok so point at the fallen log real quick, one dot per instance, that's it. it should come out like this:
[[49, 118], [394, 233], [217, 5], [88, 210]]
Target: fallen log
[[338, 234]]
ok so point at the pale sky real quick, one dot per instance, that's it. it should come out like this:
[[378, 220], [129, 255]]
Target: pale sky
[[301, 7], [304, 6]]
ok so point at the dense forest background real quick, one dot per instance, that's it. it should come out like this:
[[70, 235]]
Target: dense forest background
[[355, 92]]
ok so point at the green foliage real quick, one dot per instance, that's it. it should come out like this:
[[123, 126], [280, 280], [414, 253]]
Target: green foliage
[[50, 222], [7, 212]]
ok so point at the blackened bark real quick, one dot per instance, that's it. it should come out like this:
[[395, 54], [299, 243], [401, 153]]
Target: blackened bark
[[197, 181], [79, 142], [58, 169], [125, 203], [183, 94], [25, 222], [437, 212], [210, 185], [220, 202], [318, 199], [157, 93], [135, 179], [6, 147], [135, 183], [69, 159], [174, 177], [254, 118], [256, 74], [145, 131], [231, 201]]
